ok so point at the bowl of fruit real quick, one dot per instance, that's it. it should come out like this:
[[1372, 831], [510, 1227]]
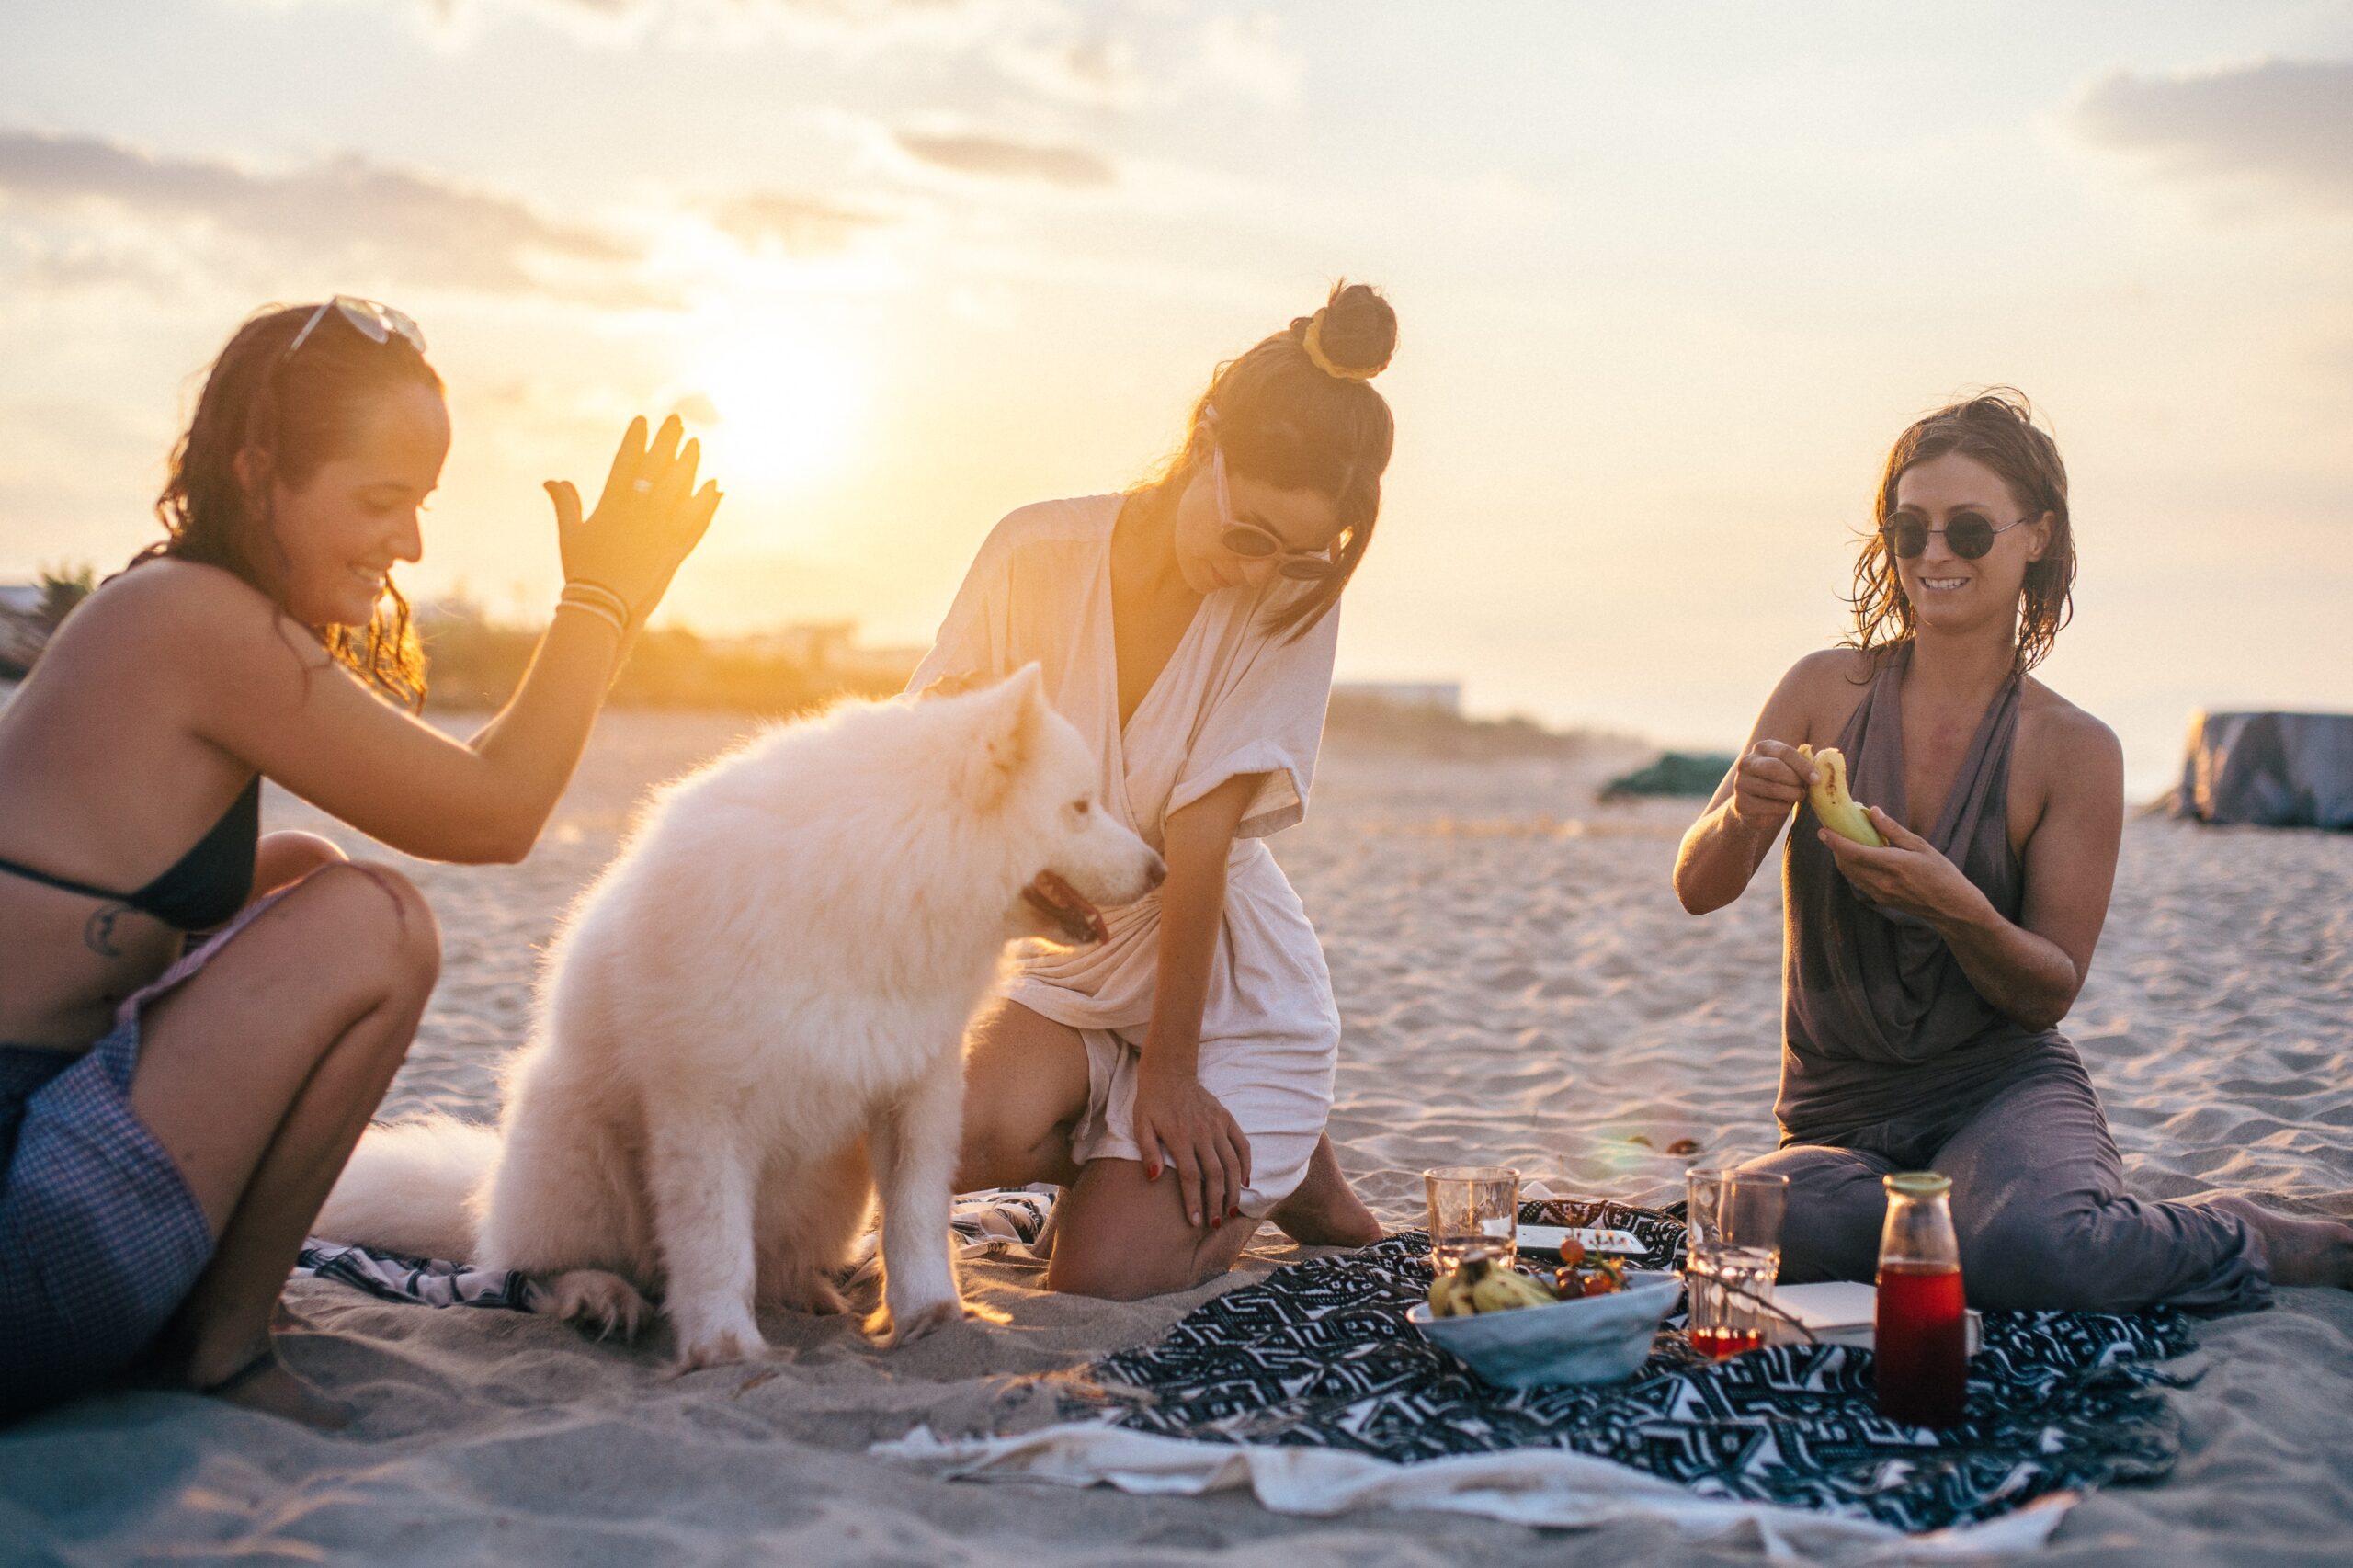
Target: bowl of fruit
[[1585, 1323]]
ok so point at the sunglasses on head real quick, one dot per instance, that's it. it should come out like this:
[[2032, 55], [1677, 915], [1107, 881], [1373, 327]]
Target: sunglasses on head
[[1969, 535], [371, 319], [1252, 542]]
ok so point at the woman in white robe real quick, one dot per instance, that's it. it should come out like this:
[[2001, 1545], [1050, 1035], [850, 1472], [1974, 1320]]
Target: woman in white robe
[[1187, 627]]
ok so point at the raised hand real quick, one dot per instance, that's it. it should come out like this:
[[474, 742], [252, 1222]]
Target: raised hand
[[1769, 780], [646, 521]]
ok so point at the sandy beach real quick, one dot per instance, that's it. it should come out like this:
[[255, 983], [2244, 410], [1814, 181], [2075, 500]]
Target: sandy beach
[[1517, 983]]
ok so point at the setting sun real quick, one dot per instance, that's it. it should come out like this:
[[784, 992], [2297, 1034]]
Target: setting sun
[[775, 406]]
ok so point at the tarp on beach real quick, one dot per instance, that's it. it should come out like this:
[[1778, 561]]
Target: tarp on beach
[[2269, 771], [1675, 773]]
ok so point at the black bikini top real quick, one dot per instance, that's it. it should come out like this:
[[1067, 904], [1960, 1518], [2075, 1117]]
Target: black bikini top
[[205, 886]]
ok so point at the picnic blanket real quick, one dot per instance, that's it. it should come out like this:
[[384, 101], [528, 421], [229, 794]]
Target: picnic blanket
[[986, 1224], [1319, 1355], [1311, 1388]]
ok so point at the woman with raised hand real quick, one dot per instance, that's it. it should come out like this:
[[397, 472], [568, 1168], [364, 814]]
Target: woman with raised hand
[[1925, 979], [172, 1114], [1175, 1080]]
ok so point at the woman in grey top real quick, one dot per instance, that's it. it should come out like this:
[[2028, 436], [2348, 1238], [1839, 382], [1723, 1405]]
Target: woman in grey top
[[1924, 981]]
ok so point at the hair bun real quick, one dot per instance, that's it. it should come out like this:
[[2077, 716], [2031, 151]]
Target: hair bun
[[1353, 335]]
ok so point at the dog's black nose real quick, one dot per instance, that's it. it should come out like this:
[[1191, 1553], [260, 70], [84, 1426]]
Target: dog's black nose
[[1155, 873]]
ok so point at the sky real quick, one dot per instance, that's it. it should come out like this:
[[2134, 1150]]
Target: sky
[[1670, 280]]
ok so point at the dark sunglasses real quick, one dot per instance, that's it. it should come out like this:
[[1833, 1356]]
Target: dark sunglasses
[[1252, 542], [371, 319], [1967, 534]]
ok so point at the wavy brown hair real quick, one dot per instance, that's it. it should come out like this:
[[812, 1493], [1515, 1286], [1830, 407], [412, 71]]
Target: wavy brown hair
[[1996, 428], [294, 415], [1285, 421]]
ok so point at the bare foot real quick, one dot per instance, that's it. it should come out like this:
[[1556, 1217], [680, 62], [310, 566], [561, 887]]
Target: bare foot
[[2302, 1252], [1324, 1212], [266, 1385]]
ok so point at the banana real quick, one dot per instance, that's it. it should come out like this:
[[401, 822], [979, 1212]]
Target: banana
[[1495, 1294], [1833, 804], [1504, 1289], [1480, 1286]]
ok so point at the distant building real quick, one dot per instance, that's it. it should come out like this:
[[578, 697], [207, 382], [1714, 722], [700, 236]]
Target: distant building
[[1434, 696]]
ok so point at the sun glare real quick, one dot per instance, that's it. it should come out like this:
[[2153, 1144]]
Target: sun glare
[[775, 408]]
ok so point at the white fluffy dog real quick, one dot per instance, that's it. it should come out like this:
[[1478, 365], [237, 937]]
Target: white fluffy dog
[[751, 1025]]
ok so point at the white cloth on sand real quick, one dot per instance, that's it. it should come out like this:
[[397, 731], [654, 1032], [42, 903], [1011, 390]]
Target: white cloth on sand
[[1233, 700], [1551, 1487]]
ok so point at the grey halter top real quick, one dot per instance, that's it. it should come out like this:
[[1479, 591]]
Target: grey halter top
[[1883, 1038]]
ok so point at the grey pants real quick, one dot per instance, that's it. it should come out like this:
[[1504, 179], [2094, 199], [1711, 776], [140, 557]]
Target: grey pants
[[2037, 1205]]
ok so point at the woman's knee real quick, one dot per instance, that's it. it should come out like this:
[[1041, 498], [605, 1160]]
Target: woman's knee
[[1107, 1277], [380, 917], [1832, 1213], [996, 1152], [2027, 1255], [287, 856]]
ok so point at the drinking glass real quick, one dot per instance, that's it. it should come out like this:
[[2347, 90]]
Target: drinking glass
[[1733, 1247], [1472, 1207]]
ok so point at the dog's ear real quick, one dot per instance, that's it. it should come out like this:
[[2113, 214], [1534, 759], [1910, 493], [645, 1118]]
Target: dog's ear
[[1010, 718]]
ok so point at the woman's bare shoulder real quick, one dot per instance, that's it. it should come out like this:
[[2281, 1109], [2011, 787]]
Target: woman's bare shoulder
[[1815, 697], [171, 623], [2070, 755], [1830, 669], [168, 596], [2051, 721]]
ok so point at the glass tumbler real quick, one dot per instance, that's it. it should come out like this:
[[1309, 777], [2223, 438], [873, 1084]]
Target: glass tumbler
[[1733, 1256], [1473, 1207]]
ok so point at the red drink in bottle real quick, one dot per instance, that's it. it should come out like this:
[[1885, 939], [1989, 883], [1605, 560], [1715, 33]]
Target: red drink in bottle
[[1922, 1336], [1921, 1332]]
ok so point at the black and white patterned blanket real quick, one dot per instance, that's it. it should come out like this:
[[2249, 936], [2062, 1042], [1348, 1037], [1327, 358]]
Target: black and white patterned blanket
[[1320, 1354], [996, 1222]]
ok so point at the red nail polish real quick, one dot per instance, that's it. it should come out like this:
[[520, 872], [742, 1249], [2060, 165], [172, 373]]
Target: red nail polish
[[1215, 1221], [1235, 1213]]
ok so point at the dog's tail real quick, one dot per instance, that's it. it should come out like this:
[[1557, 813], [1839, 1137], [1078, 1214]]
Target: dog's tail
[[411, 1187]]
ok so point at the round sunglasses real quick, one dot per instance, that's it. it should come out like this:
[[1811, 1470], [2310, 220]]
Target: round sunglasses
[[1969, 535], [1252, 542], [371, 319]]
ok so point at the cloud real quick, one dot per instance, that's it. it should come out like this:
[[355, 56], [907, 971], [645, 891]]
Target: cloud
[[1097, 70], [842, 23], [1247, 55], [986, 156], [364, 219], [798, 225], [2286, 125]]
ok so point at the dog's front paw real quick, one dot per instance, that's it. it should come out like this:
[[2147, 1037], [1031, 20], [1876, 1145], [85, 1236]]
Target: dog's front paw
[[596, 1301], [714, 1331], [892, 1326]]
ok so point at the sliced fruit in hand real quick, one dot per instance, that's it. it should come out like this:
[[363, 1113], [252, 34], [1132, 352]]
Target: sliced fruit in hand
[[1832, 803]]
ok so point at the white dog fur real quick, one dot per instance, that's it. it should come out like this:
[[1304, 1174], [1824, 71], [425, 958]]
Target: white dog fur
[[750, 1026]]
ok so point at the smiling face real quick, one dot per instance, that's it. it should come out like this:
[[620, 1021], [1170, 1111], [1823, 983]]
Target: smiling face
[[340, 530], [1947, 593], [1301, 519]]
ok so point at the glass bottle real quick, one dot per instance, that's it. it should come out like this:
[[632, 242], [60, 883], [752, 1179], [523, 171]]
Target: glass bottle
[[1921, 1331]]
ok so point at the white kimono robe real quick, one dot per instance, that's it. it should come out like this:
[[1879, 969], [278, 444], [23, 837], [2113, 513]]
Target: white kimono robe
[[1233, 699]]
